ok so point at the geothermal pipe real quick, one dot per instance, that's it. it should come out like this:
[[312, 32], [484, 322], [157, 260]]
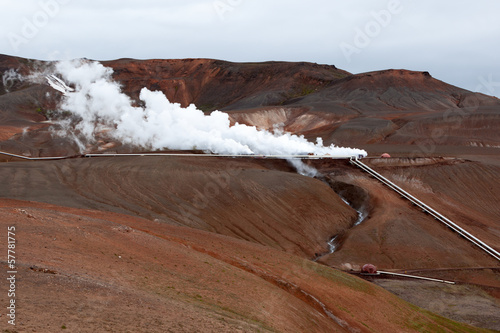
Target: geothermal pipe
[[37, 158], [302, 157], [415, 277], [425, 208]]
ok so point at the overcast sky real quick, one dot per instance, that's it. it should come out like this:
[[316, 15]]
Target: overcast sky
[[457, 41]]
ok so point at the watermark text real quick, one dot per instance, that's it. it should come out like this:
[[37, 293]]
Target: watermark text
[[365, 35], [32, 25], [11, 275]]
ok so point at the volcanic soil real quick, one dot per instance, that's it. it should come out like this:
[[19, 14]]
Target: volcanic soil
[[87, 271], [179, 244]]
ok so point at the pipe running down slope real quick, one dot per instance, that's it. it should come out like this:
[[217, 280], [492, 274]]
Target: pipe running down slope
[[425, 208]]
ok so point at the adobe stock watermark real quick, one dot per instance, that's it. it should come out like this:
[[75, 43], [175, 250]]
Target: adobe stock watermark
[[215, 186], [11, 275], [372, 29], [32, 25], [222, 7], [488, 85]]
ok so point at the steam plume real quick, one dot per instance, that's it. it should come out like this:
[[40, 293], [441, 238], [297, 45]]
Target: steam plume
[[99, 104]]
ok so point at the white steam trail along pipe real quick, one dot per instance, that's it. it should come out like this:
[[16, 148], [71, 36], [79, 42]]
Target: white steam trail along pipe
[[425, 208]]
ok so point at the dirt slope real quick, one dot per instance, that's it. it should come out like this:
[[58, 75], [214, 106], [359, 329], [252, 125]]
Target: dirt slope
[[232, 197], [397, 235], [135, 275]]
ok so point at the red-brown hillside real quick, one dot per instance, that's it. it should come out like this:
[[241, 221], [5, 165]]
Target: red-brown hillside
[[395, 91], [393, 106], [214, 84]]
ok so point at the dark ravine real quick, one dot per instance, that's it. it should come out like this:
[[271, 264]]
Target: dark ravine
[[336, 241], [359, 201], [361, 214]]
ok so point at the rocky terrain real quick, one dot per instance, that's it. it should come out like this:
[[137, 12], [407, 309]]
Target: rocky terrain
[[222, 244]]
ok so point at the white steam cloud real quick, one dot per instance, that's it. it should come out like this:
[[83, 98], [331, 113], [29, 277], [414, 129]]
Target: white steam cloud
[[9, 78], [100, 105]]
